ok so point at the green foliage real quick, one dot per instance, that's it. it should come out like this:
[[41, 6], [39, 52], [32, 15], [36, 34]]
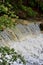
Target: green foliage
[[31, 12], [8, 5], [32, 3], [15, 8], [7, 9], [20, 2], [12, 14], [41, 5], [10, 55], [3, 9], [24, 8], [5, 22]]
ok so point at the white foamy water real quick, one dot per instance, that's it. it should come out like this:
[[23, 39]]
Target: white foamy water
[[31, 47]]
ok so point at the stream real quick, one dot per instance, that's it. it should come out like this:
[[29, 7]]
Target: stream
[[26, 40]]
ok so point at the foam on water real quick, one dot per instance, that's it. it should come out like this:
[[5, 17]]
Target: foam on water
[[30, 47]]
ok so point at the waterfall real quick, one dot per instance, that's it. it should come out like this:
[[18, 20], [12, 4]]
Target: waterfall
[[34, 28], [26, 40]]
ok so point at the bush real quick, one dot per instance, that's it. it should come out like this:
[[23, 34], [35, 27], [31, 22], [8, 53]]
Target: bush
[[24, 8], [41, 5], [32, 3], [5, 22], [7, 9], [31, 13], [12, 14], [28, 7], [3, 9]]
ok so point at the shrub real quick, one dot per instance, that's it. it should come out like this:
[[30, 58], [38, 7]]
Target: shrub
[[32, 3], [41, 5], [5, 22], [7, 9], [12, 14], [24, 8], [31, 13], [3, 9]]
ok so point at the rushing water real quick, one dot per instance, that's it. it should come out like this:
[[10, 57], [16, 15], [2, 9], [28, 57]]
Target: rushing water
[[26, 40]]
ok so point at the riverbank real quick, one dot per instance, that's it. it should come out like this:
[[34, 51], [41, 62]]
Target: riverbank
[[25, 22]]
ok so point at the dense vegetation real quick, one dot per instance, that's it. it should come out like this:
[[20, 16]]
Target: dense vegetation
[[24, 9], [5, 21]]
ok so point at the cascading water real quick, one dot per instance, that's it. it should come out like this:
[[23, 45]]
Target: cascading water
[[27, 40]]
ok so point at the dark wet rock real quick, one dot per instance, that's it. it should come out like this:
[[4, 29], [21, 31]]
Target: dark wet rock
[[41, 26]]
